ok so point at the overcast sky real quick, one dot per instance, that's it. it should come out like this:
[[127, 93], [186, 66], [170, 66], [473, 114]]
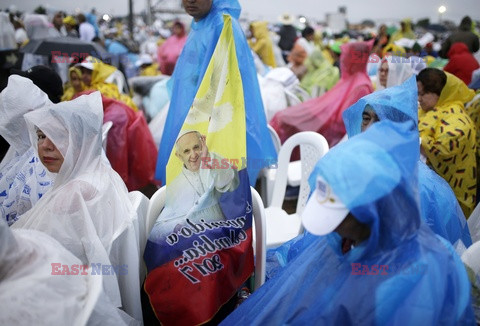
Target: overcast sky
[[357, 10]]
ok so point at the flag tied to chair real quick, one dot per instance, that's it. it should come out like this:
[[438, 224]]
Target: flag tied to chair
[[199, 252]]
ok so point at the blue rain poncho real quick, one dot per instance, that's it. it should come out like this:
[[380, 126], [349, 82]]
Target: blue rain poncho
[[186, 78], [439, 206], [403, 274]]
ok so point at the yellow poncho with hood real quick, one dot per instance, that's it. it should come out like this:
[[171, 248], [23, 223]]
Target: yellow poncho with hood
[[262, 44], [408, 33], [102, 71], [449, 139], [69, 92]]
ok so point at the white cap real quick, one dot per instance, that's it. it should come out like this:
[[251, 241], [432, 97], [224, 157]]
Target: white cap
[[88, 62], [324, 210], [144, 59]]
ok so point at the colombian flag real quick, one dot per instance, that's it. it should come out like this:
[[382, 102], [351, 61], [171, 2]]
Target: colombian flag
[[200, 250]]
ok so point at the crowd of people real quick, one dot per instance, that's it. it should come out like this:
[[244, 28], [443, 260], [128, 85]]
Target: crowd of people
[[386, 222]]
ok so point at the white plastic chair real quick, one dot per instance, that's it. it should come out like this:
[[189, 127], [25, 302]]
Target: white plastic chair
[[105, 129], [140, 203], [157, 203], [281, 226], [294, 175]]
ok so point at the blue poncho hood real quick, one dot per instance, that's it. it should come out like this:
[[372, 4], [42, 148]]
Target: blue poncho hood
[[402, 274], [439, 206], [188, 74]]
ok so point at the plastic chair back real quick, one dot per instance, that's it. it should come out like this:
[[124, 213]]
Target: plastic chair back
[[313, 146]]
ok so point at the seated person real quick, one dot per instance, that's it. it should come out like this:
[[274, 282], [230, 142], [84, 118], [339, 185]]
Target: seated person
[[23, 178], [96, 75], [376, 261], [202, 181], [75, 84], [35, 288], [392, 72], [448, 133], [439, 206], [88, 207], [261, 43]]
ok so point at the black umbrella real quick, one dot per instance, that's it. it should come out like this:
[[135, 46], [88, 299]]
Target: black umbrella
[[64, 46]]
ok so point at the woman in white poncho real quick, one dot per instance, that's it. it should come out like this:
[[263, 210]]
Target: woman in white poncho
[[23, 178], [31, 295], [88, 208]]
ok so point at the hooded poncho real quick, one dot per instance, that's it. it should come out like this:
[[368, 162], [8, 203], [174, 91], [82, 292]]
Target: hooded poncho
[[439, 207], [402, 274], [23, 179], [324, 114], [188, 74], [88, 207]]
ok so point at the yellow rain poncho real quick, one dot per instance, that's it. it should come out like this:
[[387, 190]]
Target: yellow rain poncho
[[407, 33], [69, 90], [449, 140], [151, 70], [262, 44], [101, 71], [320, 74]]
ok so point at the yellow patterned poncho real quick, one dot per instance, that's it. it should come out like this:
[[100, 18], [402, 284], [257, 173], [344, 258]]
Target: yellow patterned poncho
[[449, 140]]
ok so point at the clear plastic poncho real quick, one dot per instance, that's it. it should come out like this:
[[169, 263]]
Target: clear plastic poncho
[[403, 274], [439, 206], [23, 178], [399, 70], [88, 207], [30, 293]]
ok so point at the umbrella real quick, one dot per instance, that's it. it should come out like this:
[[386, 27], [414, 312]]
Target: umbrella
[[64, 46]]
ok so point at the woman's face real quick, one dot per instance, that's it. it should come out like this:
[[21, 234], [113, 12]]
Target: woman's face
[[76, 82], [86, 76], [427, 100], [49, 155], [383, 73]]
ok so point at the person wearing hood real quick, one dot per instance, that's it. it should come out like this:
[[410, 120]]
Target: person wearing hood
[[404, 32], [372, 260], [33, 292], [393, 71], [191, 66], [261, 43], [439, 207], [448, 133], [88, 209], [321, 74], [464, 34], [461, 62], [97, 75], [169, 51], [324, 114], [23, 178], [75, 84]]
